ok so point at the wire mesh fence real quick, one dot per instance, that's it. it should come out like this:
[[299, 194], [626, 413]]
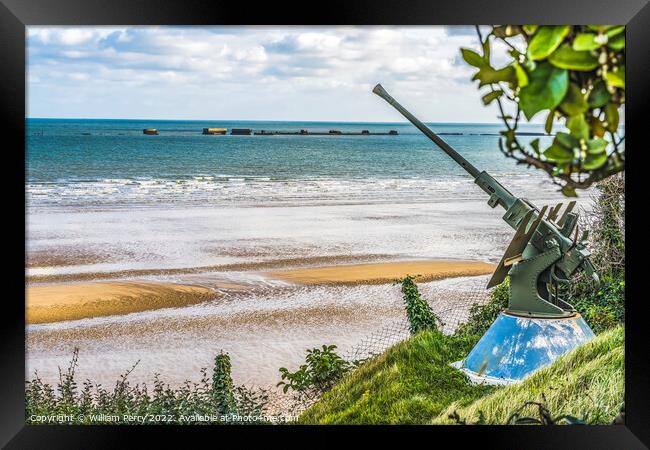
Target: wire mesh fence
[[380, 340], [450, 300]]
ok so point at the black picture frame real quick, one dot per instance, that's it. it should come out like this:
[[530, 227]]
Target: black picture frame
[[15, 15]]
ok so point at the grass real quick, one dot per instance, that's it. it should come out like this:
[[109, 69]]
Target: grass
[[412, 383], [587, 383]]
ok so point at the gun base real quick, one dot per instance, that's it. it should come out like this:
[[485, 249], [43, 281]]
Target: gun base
[[531, 294], [500, 358]]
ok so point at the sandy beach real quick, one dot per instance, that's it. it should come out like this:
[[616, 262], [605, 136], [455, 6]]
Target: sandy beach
[[73, 301], [384, 272], [59, 302], [262, 329], [260, 283]]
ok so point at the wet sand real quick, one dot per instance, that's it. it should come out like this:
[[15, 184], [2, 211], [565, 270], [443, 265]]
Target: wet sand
[[177, 326], [59, 302], [262, 330], [425, 270], [73, 301], [54, 257], [270, 321], [270, 264]]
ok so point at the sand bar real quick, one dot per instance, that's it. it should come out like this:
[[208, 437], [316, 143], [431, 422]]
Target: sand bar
[[243, 266], [59, 302], [377, 273]]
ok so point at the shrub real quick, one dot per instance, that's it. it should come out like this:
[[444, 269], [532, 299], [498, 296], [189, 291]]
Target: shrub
[[482, 316], [216, 398], [605, 308], [419, 313], [606, 225], [322, 370], [223, 395]]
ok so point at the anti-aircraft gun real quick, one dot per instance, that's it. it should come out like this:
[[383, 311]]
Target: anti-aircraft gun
[[543, 254]]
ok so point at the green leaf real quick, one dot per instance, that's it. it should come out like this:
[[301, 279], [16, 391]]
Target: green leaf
[[535, 144], [599, 96], [530, 29], [548, 125], [566, 141], [614, 31], [616, 79], [611, 115], [489, 75], [596, 146], [617, 43], [557, 153], [606, 28], [472, 58], [522, 76], [594, 161], [567, 58], [585, 41], [574, 101], [569, 191], [546, 88], [491, 96], [546, 40], [578, 126]]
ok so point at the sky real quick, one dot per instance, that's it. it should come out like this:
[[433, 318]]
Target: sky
[[252, 73]]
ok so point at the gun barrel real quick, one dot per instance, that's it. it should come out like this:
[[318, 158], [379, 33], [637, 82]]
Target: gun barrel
[[473, 171]]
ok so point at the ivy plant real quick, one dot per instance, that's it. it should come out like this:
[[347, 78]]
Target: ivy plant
[[575, 75], [419, 313]]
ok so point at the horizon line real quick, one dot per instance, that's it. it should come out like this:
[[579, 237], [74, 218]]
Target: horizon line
[[259, 120]]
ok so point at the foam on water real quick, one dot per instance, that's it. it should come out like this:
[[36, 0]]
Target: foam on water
[[263, 191]]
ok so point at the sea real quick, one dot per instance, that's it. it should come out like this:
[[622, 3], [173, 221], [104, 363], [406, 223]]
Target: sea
[[111, 163]]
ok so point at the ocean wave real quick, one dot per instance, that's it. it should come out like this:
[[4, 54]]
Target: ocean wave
[[245, 190]]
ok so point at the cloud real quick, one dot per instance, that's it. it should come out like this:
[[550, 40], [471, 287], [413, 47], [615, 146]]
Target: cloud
[[462, 30], [243, 72]]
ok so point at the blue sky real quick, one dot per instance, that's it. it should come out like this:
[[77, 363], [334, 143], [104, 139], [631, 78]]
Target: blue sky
[[257, 73]]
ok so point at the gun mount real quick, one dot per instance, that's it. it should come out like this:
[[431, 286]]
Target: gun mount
[[545, 250]]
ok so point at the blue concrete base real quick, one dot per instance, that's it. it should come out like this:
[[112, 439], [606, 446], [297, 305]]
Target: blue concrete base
[[514, 347]]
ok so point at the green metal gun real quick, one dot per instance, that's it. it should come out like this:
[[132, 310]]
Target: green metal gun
[[544, 252]]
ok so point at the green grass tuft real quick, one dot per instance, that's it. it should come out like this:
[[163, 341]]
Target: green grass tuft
[[408, 384]]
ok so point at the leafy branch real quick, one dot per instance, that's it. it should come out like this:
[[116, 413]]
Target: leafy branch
[[577, 74], [323, 368]]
